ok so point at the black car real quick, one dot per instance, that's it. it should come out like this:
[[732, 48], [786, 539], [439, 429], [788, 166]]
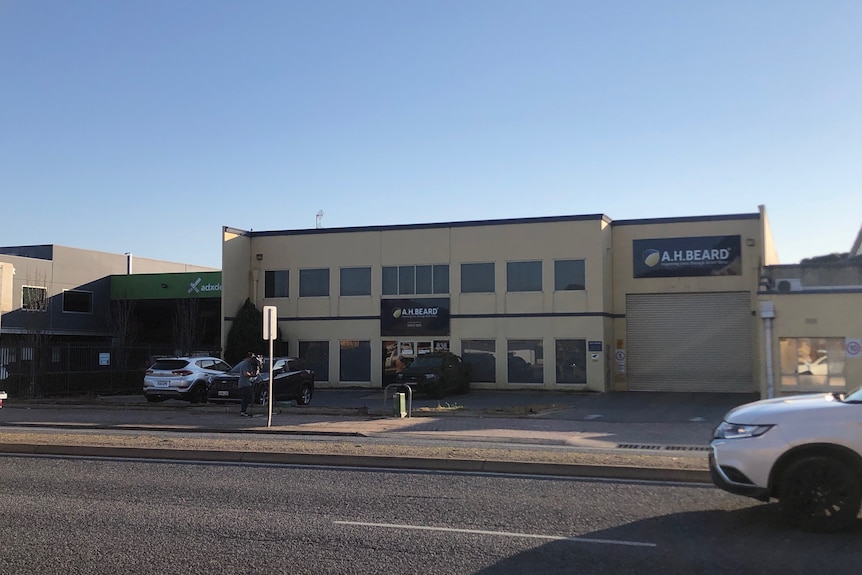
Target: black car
[[291, 380], [436, 374]]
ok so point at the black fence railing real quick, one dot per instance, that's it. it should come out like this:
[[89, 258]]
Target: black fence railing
[[75, 369]]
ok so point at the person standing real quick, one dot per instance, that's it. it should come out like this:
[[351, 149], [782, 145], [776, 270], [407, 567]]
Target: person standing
[[249, 369]]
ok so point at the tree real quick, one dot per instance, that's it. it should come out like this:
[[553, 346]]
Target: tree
[[827, 259], [246, 333], [187, 325]]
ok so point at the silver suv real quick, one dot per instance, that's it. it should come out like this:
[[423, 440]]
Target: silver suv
[[805, 451], [185, 378]]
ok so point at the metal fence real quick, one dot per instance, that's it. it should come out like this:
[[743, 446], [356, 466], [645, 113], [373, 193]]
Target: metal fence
[[75, 369]]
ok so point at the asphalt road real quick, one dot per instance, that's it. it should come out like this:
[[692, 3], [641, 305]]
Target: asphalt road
[[91, 516]]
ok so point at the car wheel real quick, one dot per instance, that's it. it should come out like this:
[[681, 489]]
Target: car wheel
[[198, 394], [304, 395], [439, 391], [820, 494], [263, 396]]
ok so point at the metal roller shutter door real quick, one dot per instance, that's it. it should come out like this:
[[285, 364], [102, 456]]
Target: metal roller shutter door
[[689, 342]]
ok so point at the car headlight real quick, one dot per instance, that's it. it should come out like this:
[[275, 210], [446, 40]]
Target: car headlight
[[431, 376], [736, 431]]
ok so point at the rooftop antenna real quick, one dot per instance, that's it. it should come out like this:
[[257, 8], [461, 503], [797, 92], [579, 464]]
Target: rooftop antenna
[[319, 223]]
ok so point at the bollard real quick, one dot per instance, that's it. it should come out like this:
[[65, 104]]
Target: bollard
[[399, 404]]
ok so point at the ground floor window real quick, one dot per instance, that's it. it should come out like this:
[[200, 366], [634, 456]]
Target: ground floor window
[[571, 361], [315, 354], [525, 360], [812, 364], [355, 360], [481, 356]]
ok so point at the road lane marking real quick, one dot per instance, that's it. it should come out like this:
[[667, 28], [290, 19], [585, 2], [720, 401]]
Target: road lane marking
[[497, 533]]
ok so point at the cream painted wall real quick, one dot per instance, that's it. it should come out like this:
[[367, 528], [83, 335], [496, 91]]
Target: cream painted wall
[[236, 275], [606, 250], [625, 283], [587, 239], [816, 315]]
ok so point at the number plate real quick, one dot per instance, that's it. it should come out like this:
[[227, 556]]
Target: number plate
[[161, 383], [223, 393]]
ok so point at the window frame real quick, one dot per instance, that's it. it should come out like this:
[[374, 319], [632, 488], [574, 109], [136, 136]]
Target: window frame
[[365, 281], [270, 284], [40, 304], [514, 271], [307, 281], [559, 276], [481, 287], [89, 297]]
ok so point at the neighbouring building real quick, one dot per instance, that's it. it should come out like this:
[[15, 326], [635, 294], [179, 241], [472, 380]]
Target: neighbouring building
[[70, 317]]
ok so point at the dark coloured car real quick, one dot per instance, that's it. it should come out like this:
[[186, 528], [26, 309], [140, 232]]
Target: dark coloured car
[[436, 374], [291, 381]]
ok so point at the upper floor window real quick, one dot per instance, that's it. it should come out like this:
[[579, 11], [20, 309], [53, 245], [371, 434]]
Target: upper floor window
[[314, 282], [411, 280], [355, 281], [276, 283], [477, 278], [569, 275], [75, 301], [34, 298], [524, 276]]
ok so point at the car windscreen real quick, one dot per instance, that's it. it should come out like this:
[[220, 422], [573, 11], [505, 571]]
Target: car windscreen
[[169, 364], [424, 361]]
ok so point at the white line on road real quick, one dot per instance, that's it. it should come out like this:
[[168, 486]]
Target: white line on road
[[497, 533]]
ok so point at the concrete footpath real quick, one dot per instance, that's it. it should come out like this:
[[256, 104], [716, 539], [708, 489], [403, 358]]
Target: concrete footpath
[[623, 435]]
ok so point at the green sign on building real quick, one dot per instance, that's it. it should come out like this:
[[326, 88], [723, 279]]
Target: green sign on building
[[185, 285]]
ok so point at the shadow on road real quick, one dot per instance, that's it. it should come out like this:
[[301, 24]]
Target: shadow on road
[[751, 540]]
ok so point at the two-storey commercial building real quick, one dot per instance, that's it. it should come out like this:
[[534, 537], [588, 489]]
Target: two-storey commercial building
[[557, 303]]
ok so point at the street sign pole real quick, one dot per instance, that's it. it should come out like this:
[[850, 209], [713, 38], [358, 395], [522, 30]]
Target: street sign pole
[[270, 328]]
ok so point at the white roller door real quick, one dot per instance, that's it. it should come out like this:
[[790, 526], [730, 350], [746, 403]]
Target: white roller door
[[689, 342]]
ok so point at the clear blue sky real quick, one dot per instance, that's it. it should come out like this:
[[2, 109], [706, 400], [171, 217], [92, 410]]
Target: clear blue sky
[[145, 126]]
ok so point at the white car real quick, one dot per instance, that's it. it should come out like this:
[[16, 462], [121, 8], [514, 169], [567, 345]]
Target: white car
[[805, 451], [185, 378]]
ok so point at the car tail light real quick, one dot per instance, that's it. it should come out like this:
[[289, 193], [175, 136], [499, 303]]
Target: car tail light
[[182, 372], [149, 372]]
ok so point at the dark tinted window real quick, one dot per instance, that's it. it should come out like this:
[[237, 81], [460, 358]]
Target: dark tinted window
[[423, 279], [276, 283], [524, 276], [441, 279], [315, 354], [355, 281], [313, 283], [77, 301], [477, 278], [355, 360], [425, 361], [415, 280], [569, 275], [390, 280], [406, 280], [169, 364]]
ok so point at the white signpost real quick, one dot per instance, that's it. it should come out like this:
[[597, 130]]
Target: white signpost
[[270, 329]]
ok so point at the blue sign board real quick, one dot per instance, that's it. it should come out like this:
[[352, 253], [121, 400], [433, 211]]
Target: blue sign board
[[686, 257]]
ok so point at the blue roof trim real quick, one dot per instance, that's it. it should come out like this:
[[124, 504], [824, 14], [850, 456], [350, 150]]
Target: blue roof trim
[[686, 220], [814, 291], [458, 316], [400, 227], [40, 252]]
